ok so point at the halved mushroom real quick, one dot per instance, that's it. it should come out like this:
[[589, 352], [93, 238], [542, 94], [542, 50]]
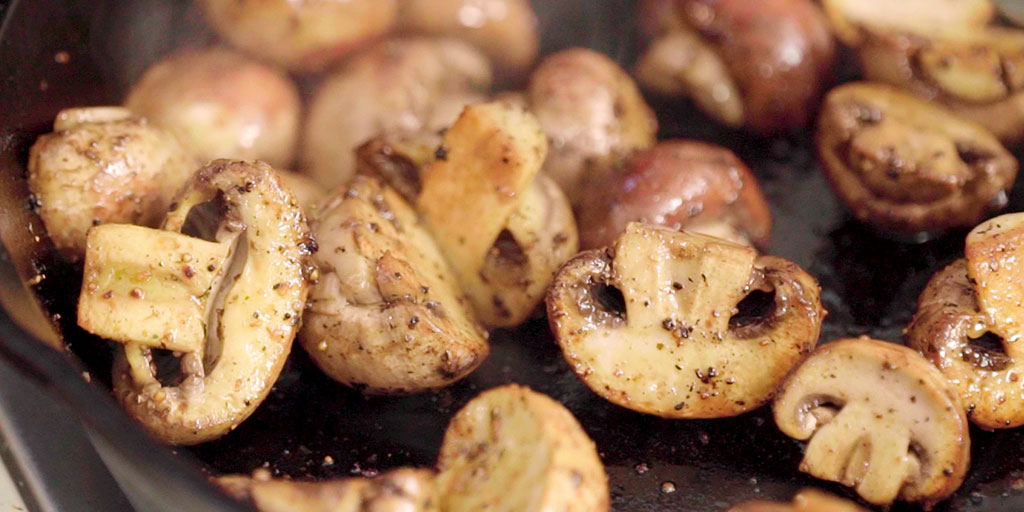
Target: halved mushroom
[[879, 418], [591, 111], [906, 165], [403, 85], [103, 165], [400, 490], [807, 500], [387, 315], [228, 308], [222, 104], [679, 184], [301, 36], [849, 18], [505, 30], [978, 73], [970, 321], [682, 325], [756, 64], [513, 449]]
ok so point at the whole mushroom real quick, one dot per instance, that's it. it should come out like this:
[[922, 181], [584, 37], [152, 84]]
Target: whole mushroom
[[877, 417], [908, 166], [680, 184], [387, 315], [970, 320], [226, 309], [505, 30], [398, 86], [300, 36], [103, 165], [221, 104], [592, 113], [681, 325], [759, 65]]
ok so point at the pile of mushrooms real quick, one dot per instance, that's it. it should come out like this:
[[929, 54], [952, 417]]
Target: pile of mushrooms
[[510, 448]]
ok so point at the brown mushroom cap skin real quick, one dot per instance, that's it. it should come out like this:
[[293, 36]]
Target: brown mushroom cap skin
[[221, 104], [907, 166], [877, 417], [777, 53], [679, 184], [397, 86], [505, 30], [103, 165], [807, 500], [300, 36], [591, 111], [681, 341]]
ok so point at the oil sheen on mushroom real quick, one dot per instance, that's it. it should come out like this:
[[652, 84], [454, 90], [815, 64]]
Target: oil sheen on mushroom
[[907, 166], [681, 325]]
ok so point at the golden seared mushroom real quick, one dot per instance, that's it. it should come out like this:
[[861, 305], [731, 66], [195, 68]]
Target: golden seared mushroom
[[970, 320], [221, 104], [505, 30], [807, 500], [301, 36], [680, 184], [404, 85], [512, 449], [877, 417], [591, 111], [227, 309], [103, 165], [505, 229], [387, 315], [905, 165], [851, 18], [682, 325], [755, 64], [400, 490]]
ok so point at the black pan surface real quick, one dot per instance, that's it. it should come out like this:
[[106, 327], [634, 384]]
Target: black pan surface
[[311, 427]]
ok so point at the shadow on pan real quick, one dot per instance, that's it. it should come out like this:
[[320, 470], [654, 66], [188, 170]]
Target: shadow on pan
[[870, 286]]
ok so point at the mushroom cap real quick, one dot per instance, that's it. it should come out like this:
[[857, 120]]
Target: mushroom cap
[[682, 325], [387, 314], [680, 184], [878, 417], [903, 164], [969, 298]]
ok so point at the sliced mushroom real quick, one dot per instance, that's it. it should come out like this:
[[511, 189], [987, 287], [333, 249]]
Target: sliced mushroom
[[505, 30], [807, 500], [680, 184], [229, 308], [301, 36], [909, 166], [400, 490], [681, 325], [387, 315], [306, 191], [221, 104], [850, 17], [756, 64], [970, 321], [505, 229], [879, 418], [404, 85], [513, 449], [103, 165], [978, 73], [591, 111]]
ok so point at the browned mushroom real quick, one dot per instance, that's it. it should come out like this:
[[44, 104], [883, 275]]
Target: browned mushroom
[[680, 184], [807, 500], [682, 325], [969, 323], [591, 111], [909, 166], [755, 64], [877, 417]]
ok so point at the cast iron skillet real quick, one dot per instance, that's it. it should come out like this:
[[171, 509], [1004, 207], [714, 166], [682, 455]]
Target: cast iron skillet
[[870, 285]]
